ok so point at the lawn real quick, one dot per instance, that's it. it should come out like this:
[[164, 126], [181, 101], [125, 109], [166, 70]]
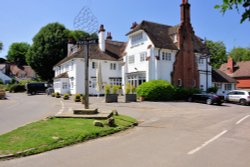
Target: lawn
[[55, 133]]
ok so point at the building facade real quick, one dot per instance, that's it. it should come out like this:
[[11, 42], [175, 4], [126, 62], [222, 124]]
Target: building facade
[[161, 52], [239, 71], [70, 72]]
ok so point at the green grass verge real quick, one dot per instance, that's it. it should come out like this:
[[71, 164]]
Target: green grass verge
[[55, 133]]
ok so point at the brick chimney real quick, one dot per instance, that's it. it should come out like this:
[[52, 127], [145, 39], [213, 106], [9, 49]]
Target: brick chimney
[[109, 36], [185, 69], [71, 43], [101, 36], [134, 25], [230, 65]]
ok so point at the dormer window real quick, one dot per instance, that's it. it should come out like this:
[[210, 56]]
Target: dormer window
[[135, 39]]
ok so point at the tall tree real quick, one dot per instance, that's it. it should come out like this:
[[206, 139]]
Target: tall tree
[[218, 53], [240, 54], [48, 48], [17, 53], [239, 5], [1, 46]]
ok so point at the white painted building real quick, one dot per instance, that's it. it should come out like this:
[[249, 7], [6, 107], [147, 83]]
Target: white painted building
[[151, 53], [70, 72], [223, 82]]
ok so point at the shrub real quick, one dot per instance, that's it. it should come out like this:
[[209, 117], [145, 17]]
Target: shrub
[[66, 96], [1, 82], [156, 90], [184, 93], [212, 90], [77, 98], [17, 88], [107, 89]]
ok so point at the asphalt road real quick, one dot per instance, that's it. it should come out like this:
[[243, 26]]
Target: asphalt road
[[20, 109], [169, 135]]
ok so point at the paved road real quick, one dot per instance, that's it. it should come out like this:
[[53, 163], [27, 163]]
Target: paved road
[[21, 109], [169, 135]]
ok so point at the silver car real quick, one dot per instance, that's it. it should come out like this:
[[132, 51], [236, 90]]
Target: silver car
[[239, 96]]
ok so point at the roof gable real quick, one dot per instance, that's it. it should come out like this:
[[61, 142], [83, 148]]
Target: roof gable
[[162, 36], [113, 52], [241, 69]]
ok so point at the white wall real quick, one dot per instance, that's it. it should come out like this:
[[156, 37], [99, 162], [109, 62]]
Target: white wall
[[136, 50]]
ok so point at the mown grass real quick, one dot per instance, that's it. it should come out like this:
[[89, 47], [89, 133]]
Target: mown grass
[[55, 133]]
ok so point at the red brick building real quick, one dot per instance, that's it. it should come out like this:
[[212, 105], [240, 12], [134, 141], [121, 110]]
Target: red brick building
[[239, 71]]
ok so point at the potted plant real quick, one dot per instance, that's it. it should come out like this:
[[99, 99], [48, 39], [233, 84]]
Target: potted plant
[[58, 95], [53, 94], [66, 96], [110, 98], [130, 95], [77, 98]]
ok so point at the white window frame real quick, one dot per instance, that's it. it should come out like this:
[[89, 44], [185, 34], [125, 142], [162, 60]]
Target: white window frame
[[143, 56], [131, 59], [112, 66]]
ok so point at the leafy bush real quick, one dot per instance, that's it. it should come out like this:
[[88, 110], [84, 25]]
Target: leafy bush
[[53, 94], [17, 88], [184, 93], [156, 90], [212, 90], [1, 82]]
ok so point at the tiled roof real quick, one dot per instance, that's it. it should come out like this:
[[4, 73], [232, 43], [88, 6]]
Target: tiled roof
[[241, 69], [219, 76], [113, 52], [162, 36], [63, 75]]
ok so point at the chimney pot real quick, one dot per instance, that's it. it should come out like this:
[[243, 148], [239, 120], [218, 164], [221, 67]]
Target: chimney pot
[[134, 25], [109, 36], [101, 29]]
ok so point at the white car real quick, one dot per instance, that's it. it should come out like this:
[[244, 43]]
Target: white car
[[239, 96]]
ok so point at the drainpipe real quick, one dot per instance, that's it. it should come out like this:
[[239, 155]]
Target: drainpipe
[[156, 63]]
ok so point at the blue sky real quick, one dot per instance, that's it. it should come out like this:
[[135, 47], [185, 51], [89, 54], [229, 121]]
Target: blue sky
[[21, 20]]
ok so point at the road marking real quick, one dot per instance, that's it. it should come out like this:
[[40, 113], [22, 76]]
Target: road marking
[[241, 120], [207, 142]]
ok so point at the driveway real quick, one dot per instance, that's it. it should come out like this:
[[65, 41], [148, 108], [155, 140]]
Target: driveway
[[169, 135]]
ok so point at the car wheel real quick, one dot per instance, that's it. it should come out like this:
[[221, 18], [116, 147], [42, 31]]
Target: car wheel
[[243, 102], [209, 102]]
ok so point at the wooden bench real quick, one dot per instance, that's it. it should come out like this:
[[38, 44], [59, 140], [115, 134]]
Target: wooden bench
[[2, 94]]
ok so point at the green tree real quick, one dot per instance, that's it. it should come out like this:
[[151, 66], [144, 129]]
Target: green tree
[[48, 48], [17, 53], [239, 5], [1, 46], [218, 53], [240, 54]]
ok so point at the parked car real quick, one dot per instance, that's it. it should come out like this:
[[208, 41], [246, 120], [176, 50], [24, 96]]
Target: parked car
[[206, 98], [2, 94], [239, 96], [34, 88]]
